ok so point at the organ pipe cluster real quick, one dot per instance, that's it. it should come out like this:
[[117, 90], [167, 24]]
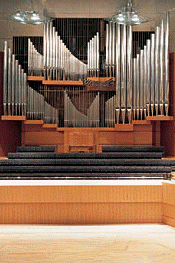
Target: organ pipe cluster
[[39, 109], [35, 60], [151, 75], [15, 85], [93, 57], [59, 62]]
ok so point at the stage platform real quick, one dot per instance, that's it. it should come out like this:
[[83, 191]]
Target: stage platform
[[87, 202]]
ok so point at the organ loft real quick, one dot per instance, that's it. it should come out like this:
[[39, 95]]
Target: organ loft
[[88, 83]]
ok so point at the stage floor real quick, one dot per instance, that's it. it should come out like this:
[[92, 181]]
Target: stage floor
[[147, 243]]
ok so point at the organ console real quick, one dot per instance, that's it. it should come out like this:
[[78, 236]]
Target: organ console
[[141, 79]]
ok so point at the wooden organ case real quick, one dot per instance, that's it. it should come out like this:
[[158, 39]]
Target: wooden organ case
[[89, 83]]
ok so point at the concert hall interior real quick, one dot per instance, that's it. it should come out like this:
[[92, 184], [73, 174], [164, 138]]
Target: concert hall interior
[[87, 114]]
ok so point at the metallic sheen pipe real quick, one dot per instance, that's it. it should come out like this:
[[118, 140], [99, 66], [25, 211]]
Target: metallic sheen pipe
[[110, 48], [45, 50], [5, 78], [13, 83], [9, 81], [138, 87], [98, 55], [48, 48], [54, 52], [148, 79], [113, 49], [152, 72], [157, 68], [145, 83], [107, 49], [51, 50], [134, 87], [123, 72], [129, 73], [141, 83], [161, 100], [167, 62], [118, 79]]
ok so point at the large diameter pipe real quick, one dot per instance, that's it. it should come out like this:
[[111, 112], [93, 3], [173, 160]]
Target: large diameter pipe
[[13, 83], [145, 84], [45, 50], [129, 72], [134, 87], [123, 72], [9, 80], [138, 87], [161, 100], [148, 79], [48, 48], [157, 68], [152, 72], [5, 78], [107, 48], [118, 77], [167, 62], [141, 83]]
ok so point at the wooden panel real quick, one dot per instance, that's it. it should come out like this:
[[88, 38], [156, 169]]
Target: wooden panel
[[80, 213], [124, 127], [159, 118], [13, 118], [81, 194], [63, 83], [80, 204], [142, 138], [169, 203], [81, 139], [43, 138], [35, 78]]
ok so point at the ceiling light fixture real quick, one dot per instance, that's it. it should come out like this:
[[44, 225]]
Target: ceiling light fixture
[[127, 16], [27, 17]]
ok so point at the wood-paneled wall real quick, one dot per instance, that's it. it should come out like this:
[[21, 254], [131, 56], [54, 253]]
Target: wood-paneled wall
[[169, 204]]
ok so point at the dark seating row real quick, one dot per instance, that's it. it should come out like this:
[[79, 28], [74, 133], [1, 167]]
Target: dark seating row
[[113, 163]]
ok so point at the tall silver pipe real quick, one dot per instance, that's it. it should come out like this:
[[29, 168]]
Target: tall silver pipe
[[113, 49], [129, 73], [110, 48], [118, 77], [148, 79], [54, 51], [48, 48], [51, 50], [138, 88], [123, 72], [5, 78], [157, 68], [107, 49], [141, 83], [25, 94], [56, 55], [19, 90], [9, 80], [45, 50], [161, 100], [134, 87], [167, 14], [13, 83], [17, 87], [152, 72], [98, 55], [145, 83]]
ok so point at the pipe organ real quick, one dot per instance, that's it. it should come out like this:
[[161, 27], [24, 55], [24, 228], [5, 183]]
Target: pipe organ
[[141, 79]]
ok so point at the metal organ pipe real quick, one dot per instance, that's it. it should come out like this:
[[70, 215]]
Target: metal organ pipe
[[166, 63], [123, 72], [118, 79], [161, 100], [129, 73]]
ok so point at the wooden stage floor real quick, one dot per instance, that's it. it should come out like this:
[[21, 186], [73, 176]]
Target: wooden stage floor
[[148, 243]]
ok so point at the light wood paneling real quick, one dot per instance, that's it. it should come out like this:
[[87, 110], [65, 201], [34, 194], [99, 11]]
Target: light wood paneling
[[169, 204], [80, 204]]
